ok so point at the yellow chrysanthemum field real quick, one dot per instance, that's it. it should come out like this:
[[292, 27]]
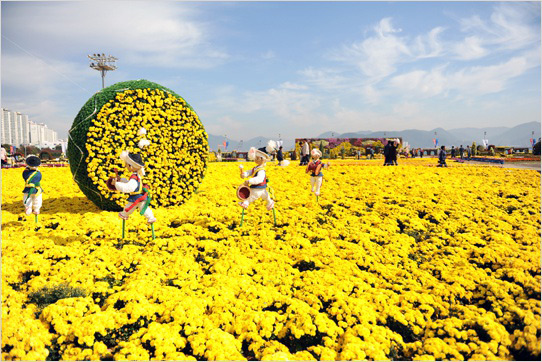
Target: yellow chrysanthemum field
[[407, 262]]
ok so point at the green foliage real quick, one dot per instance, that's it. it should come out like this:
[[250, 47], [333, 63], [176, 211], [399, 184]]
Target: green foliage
[[378, 146], [50, 295]]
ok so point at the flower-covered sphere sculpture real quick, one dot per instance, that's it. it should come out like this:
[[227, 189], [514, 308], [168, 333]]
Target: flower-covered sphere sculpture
[[175, 160]]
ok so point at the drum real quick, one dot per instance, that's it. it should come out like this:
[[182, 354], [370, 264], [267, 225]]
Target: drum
[[243, 192], [312, 166], [110, 184], [109, 181]]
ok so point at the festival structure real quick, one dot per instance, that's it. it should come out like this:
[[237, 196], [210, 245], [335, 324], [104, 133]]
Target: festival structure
[[108, 124]]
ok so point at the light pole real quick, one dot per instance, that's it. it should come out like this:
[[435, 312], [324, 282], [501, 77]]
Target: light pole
[[102, 63]]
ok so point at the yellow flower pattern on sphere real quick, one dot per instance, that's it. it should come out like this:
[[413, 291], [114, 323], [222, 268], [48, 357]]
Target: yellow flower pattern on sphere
[[175, 161]]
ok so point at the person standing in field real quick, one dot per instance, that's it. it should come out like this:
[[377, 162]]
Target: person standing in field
[[387, 161], [452, 152], [306, 152], [280, 156], [301, 154], [394, 148], [461, 150], [442, 157]]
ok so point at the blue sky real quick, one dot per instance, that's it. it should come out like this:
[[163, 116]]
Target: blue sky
[[291, 68]]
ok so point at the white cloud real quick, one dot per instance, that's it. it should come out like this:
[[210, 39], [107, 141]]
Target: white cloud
[[475, 81], [44, 91], [407, 109], [290, 105], [511, 26], [268, 55], [489, 79], [328, 79], [293, 86], [371, 94], [421, 82], [145, 33], [382, 53], [404, 116], [377, 56], [225, 125], [429, 45], [470, 48], [36, 76]]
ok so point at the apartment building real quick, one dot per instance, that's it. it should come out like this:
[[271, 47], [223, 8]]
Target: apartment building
[[17, 130]]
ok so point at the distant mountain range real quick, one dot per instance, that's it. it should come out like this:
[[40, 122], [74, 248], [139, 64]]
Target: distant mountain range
[[517, 136]]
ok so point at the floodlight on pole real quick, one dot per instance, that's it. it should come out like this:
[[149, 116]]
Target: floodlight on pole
[[103, 63]]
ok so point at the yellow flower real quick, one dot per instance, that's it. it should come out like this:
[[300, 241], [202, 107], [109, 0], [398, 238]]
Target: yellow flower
[[428, 271]]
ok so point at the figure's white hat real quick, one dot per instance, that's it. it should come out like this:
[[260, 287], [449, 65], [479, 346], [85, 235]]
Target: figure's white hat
[[253, 153], [132, 159], [315, 152]]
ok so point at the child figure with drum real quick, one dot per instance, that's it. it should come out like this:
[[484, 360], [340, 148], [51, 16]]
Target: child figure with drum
[[139, 194], [315, 168], [256, 186], [134, 187]]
